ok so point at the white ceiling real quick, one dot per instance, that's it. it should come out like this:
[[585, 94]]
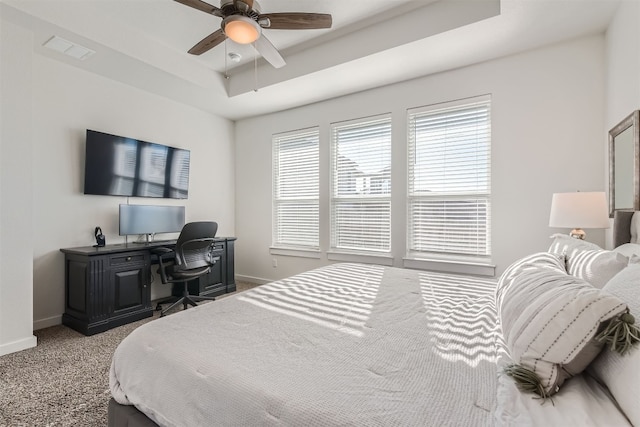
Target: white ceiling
[[371, 43]]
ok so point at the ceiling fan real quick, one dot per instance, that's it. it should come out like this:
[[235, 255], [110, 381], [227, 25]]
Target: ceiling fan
[[243, 22]]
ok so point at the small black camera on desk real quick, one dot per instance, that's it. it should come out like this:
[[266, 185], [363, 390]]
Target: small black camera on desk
[[100, 239]]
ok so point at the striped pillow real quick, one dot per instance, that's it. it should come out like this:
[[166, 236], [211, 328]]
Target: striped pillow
[[587, 260], [549, 321]]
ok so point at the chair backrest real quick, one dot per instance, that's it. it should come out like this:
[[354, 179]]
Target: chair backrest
[[195, 245]]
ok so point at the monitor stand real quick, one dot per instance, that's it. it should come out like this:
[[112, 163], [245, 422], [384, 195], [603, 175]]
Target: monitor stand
[[148, 239]]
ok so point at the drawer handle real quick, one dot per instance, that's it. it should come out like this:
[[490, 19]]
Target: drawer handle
[[128, 258]]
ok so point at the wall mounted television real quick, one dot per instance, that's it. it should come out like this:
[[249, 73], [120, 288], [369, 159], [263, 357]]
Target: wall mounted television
[[150, 219], [120, 166]]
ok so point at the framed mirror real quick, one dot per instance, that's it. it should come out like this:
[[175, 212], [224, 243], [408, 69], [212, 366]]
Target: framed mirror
[[624, 165]]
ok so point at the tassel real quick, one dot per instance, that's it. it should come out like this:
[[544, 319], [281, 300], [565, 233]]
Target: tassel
[[526, 380], [621, 333]]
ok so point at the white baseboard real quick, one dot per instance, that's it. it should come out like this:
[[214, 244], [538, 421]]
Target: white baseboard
[[23, 344], [45, 323], [251, 279]]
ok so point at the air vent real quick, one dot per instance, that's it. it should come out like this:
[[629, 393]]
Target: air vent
[[68, 48]]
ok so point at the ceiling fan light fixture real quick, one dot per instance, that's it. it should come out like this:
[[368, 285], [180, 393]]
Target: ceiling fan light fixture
[[241, 29]]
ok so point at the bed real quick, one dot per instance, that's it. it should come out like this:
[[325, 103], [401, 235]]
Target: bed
[[346, 344], [366, 345]]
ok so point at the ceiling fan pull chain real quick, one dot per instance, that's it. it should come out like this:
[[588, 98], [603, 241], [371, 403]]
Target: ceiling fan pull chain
[[255, 67], [226, 57]]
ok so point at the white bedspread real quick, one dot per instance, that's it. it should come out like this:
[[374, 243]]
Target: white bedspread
[[344, 345], [582, 402]]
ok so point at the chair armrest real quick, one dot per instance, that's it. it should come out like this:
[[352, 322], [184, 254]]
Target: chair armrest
[[165, 257], [161, 251]]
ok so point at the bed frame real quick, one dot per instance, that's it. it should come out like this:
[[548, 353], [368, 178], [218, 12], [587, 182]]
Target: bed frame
[[622, 227], [127, 416]]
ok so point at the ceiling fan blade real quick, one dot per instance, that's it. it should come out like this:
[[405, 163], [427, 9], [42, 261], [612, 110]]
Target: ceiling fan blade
[[269, 52], [295, 21], [209, 42], [200, 5]]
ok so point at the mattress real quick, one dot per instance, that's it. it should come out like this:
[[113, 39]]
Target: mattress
[[346, 344]]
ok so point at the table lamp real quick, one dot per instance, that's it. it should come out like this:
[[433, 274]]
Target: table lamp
[[579, 210]]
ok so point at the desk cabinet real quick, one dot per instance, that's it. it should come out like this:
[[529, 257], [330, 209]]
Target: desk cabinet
[[129, 280], [104, 291], [110, 286]]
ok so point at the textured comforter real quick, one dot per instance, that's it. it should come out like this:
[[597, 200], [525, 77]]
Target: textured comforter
[[347, 344]]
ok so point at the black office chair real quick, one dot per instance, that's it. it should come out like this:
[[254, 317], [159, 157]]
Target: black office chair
[[192, 257]]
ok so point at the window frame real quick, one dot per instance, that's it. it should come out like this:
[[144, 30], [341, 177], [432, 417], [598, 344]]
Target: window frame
[[341, 252], [279, 246], [448, 260]]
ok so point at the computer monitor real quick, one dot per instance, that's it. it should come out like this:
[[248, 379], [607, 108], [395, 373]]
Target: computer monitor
[[151, 219]]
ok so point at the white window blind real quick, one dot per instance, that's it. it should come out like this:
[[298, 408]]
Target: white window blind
[[361, 185], [449, 176], [295, 189]]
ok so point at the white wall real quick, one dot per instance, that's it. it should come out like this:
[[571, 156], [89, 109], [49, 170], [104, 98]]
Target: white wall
[[623, 63], [16, 185], [46, 108], [67, 101], [547, 130]]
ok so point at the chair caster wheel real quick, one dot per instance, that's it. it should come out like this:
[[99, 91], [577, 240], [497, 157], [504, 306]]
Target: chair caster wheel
[[158, 307]]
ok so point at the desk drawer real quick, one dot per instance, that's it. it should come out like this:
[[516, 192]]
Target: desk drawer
[[126, 259]]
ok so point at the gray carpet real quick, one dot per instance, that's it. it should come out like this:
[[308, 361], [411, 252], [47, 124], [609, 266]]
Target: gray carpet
[[64, 380]]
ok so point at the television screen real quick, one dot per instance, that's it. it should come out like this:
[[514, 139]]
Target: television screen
[[119, 166], [145, 219]]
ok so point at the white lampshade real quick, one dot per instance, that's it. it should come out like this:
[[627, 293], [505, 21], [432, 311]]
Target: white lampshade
[[579, 210]]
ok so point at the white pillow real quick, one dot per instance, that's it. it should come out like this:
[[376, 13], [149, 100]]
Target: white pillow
[[549, 321], [621, 373], [563, 244], [628, 249], [596, 267], [588, 261]]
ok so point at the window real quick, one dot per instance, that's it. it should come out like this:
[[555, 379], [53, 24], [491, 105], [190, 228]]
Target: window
[[361, 185], [449, 179], [295, 189]]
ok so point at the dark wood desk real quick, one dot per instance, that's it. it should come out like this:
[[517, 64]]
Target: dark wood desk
[[111, 286]]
